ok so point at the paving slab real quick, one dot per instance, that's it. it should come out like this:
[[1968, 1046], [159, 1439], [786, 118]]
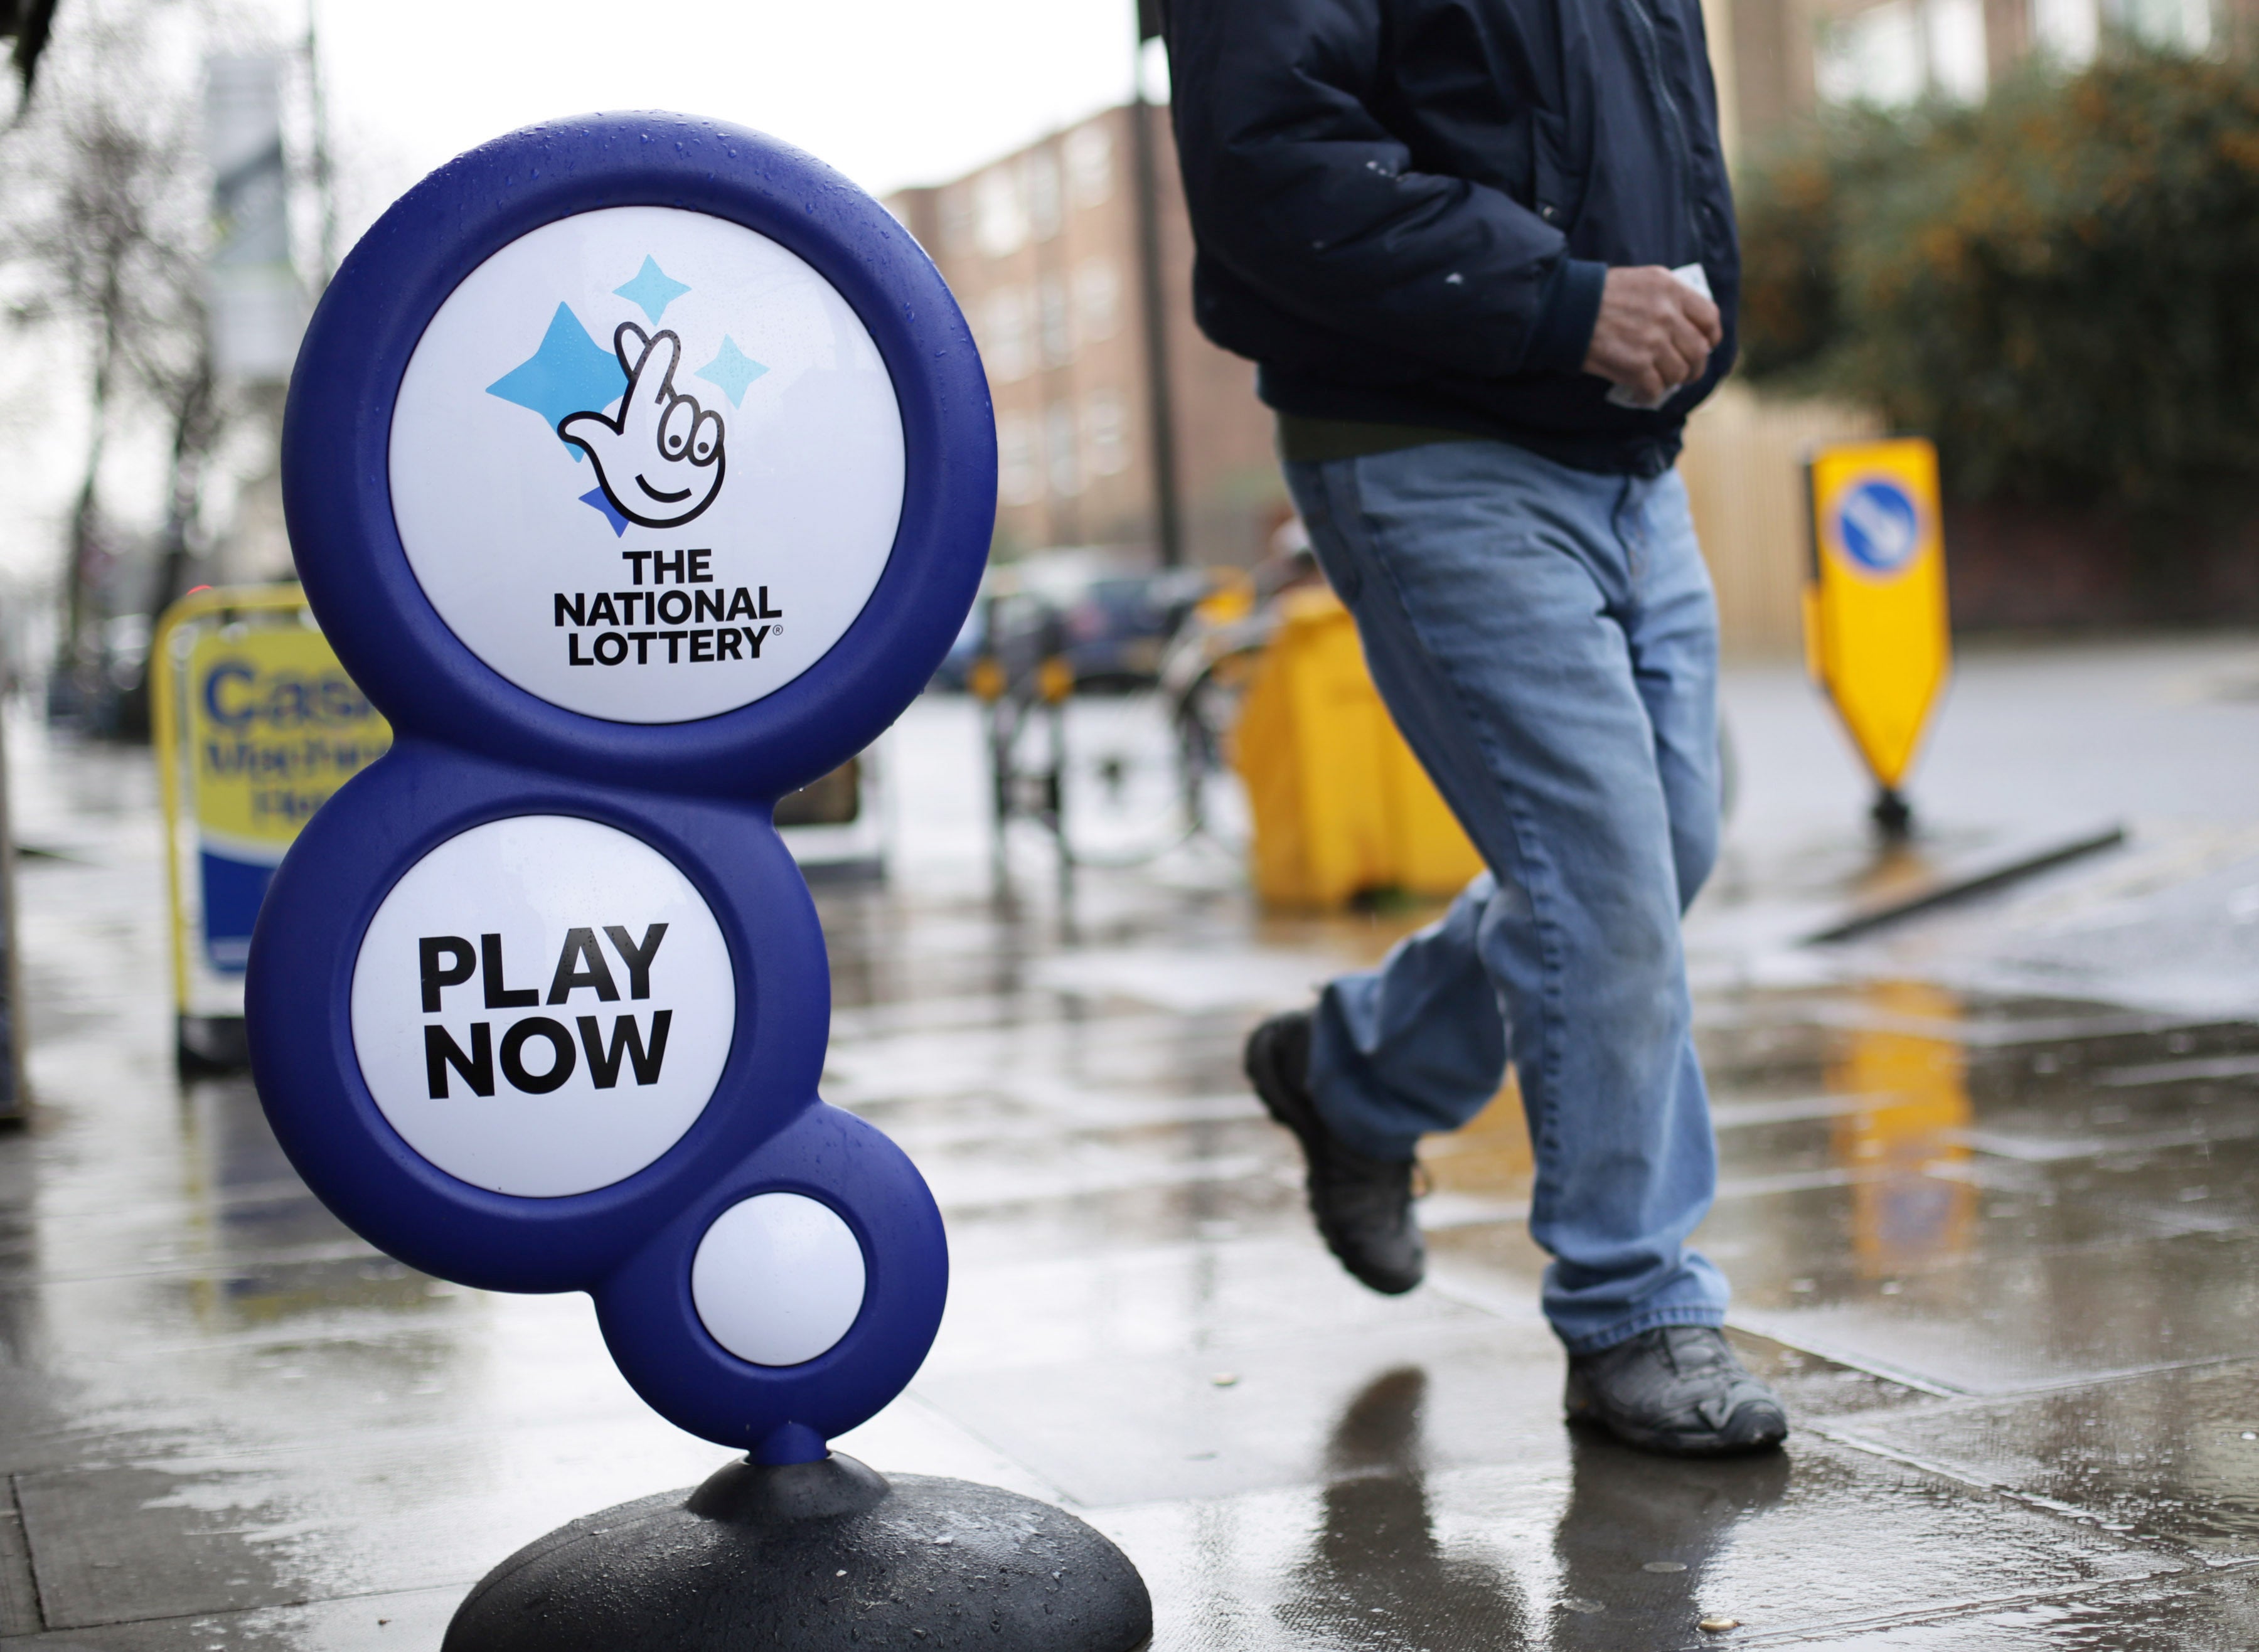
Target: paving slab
[[383, 1509], [1820, 1391], [412, 1621], [19, 1592], [2168, 1456], [1249, 1416], [1118, 1431], [2179, 1614], [2001, 1324], [1208, 1298], [115, 1544], [1598, 1551]]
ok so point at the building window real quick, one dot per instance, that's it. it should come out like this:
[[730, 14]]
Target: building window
[[2174, 25], [1019, 475], [1055, 327], [1090, 165], [2068, 30], [1000, 218], [1898, 52], [957, 221], [1043, 193], [1105, 434], [1097, 298], [1874, 57], [1955, 32], [1060, 450], [1005, 324]]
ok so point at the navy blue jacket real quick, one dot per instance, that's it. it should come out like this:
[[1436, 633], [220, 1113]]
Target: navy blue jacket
[[1404, 208]]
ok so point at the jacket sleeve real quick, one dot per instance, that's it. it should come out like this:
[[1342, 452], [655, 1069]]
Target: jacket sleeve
[[1297, 188]]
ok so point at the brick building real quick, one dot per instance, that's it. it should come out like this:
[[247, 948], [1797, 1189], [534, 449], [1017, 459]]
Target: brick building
[[1776, 60], [1042, 251]]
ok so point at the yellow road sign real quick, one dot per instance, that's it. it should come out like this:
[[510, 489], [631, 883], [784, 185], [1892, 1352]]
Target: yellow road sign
[[256, 724], [1875, 628]]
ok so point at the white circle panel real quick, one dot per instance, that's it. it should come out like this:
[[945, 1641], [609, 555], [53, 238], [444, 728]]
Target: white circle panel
[[542, 1006], [778, 1279], [646, 463]]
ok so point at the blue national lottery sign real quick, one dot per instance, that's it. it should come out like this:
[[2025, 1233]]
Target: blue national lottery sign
[[640, 470]]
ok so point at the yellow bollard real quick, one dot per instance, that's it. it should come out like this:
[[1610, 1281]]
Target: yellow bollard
[[1342, 807], [1875, 631]]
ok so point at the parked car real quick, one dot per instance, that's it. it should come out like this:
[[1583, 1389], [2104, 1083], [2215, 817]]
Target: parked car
[[1110, 617]]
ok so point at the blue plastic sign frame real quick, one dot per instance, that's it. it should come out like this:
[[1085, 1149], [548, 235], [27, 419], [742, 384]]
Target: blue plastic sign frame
[[338, 425], [473, 748]]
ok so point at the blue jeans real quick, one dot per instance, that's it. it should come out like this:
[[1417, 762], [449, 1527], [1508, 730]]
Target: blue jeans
[[1548, 643]]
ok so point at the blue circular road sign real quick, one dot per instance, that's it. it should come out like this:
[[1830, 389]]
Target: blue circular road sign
[[1878, 524]]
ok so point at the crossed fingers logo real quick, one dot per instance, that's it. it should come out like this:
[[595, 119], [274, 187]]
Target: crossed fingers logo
[[660, 462]]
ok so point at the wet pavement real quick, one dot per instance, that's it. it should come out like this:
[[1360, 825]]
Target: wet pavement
[[1988, 1203]]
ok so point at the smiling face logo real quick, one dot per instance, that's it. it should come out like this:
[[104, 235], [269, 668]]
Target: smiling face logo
[[660, 458], [660, 461]]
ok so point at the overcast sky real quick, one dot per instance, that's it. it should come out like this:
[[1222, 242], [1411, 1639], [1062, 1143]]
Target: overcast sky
[[889, 91]]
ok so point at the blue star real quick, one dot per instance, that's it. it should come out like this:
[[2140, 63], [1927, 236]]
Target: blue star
[[595, 496], [652, 290], [732, 369], [569, 373]]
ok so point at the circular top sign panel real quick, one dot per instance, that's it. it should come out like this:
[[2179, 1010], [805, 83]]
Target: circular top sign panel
[[1877, 524], [542, 1006], [640, 448], [647, 464]]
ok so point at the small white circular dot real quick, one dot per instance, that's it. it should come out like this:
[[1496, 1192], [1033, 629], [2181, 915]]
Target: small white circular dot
[[778, 1279]]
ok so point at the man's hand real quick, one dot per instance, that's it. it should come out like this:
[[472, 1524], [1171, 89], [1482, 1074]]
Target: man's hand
[[1653, 334]]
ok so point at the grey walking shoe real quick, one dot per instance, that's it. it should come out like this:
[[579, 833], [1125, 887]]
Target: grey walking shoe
[[1363, 1205], [1677, 1389]]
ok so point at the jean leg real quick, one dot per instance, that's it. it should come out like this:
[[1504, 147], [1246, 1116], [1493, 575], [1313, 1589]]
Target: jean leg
[[1491, 589], [1673, 633], [1416, 1045]]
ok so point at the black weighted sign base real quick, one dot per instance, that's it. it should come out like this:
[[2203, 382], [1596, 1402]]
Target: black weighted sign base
[[809, 1557]]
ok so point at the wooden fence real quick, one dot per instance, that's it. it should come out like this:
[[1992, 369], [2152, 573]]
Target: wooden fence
[[1745, 471]]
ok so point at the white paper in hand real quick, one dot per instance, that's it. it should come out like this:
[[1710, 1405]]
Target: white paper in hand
[[1694, 279]]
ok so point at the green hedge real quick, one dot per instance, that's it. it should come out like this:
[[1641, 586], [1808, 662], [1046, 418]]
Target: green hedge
[[2061, 285]]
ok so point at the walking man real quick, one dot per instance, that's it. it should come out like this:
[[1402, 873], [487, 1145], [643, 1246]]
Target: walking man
[[1483, 252]]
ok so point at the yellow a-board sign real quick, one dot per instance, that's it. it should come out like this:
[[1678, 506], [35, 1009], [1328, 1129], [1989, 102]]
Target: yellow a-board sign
[[256, 724], [1875, 628]]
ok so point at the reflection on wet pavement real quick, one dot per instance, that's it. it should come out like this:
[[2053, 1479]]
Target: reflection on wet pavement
[[1377, 1553], [2000, 1252]]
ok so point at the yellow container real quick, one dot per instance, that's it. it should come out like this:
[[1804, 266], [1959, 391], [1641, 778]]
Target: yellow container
[[1342, 807]]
